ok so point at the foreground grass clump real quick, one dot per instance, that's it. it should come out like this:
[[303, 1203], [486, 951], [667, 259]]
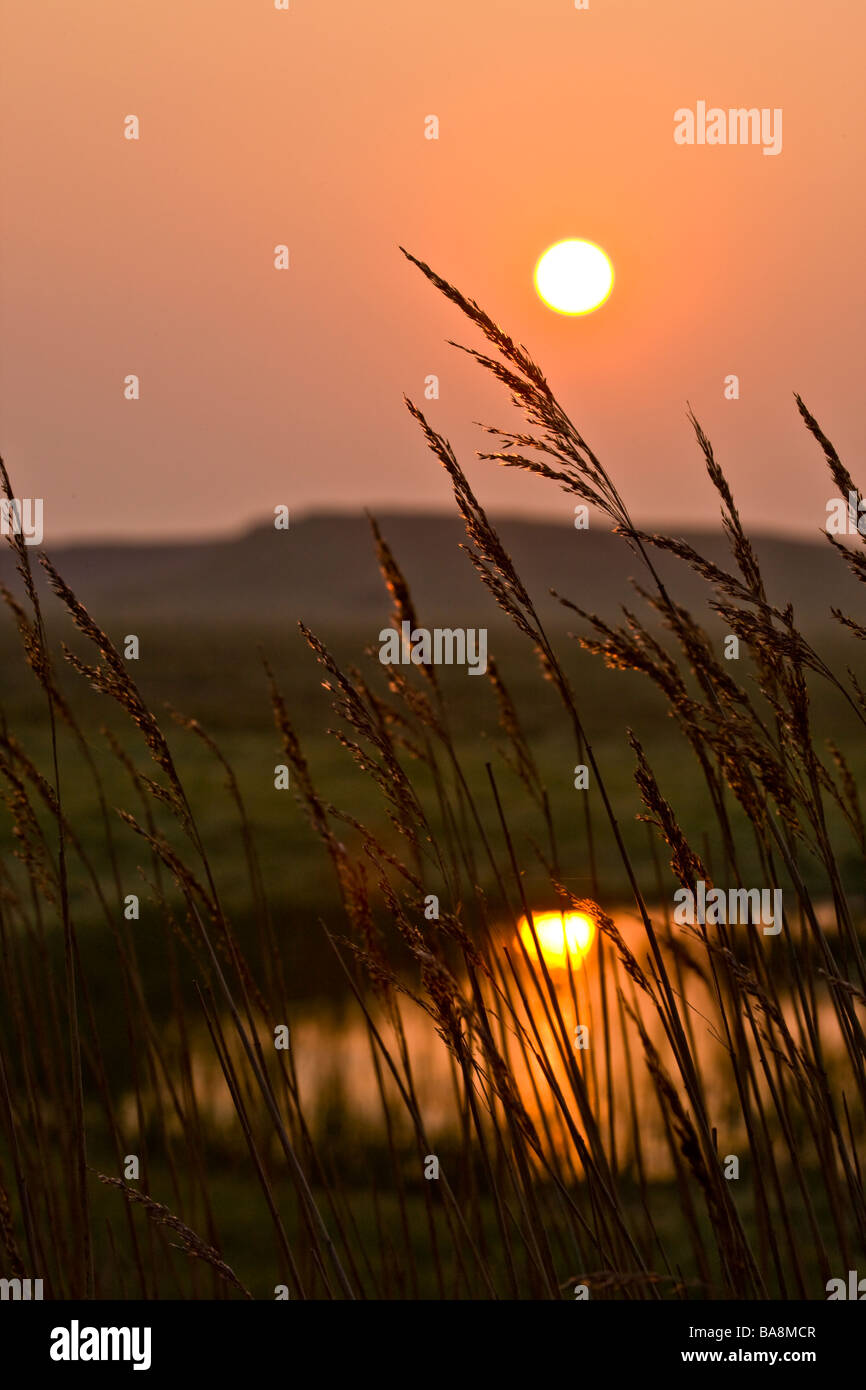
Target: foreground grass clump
[[703, 1144]]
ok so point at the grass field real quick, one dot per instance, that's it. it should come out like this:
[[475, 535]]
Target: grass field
[[309, 1036]]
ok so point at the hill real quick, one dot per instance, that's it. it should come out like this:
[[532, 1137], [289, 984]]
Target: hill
[[324, 570]]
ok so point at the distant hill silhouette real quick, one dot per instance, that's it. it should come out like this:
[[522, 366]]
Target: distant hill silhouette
[[324, 570]]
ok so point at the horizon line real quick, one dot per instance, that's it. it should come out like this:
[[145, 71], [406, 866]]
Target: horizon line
[[73, 540]]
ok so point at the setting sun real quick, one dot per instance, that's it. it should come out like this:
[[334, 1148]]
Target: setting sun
[[560, 935], [574, 277]]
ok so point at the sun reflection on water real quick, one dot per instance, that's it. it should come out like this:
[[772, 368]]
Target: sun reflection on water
[[561, 936]]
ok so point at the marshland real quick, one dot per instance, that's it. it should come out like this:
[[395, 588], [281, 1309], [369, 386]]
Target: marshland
[[646, 1109]]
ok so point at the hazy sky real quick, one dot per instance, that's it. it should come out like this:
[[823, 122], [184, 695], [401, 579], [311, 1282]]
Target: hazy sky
[[260, 127]]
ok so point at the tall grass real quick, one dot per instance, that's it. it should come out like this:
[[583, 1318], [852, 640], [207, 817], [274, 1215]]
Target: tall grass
[[550, 1179]]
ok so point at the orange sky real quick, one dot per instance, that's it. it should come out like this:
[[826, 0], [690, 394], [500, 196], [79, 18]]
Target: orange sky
[[307, 127]]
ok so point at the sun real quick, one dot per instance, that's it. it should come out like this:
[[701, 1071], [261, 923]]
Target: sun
[[574, 277], [561, 936]]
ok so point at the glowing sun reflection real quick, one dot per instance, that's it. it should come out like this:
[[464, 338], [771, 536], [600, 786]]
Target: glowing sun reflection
[[561, 936]]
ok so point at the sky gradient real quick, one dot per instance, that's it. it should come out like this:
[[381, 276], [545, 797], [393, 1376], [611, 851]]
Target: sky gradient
[[260, 127]]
